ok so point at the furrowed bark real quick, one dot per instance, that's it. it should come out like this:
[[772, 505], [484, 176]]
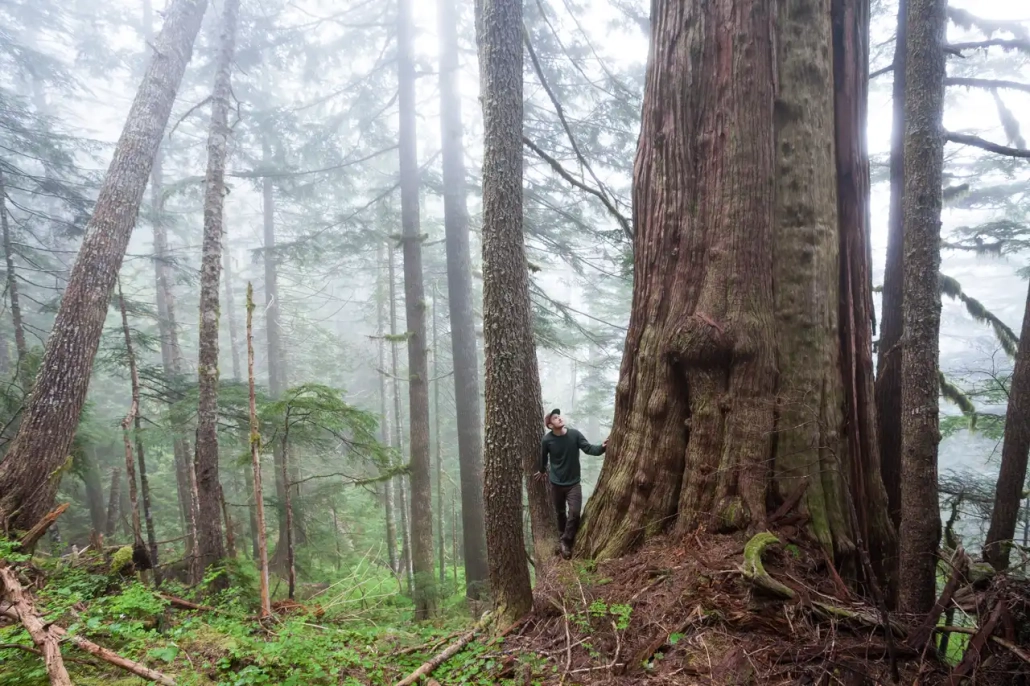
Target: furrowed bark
[[415, 316], [29, 476], [211, 547], [745, 373], [513, 411], [924, 160]]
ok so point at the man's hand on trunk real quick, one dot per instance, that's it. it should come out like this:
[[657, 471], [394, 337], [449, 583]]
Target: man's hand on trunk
[[540, 476]]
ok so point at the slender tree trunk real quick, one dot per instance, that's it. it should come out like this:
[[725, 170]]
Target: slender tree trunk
[[1014, 450], [402, 505], [94, 492], [133, 419], [382, 292], [20, 345], [454, 539], [513, 411], [209, 534], [114, 501], [888, 366], [171, 355], [28, 478], [230, 536], [856, 310], [255, 461], [465, 362], [230, 311], [744, 374], [398, 426], [415, 311], [291, 567], [276, 357], [439, 452], [920, 389]]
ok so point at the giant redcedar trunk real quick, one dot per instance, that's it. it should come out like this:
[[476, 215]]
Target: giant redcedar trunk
[[747, 367], [415, 314], [1014, 450], [459, 298], [29, 475], [209, 520], [513, 412], [920, 389]]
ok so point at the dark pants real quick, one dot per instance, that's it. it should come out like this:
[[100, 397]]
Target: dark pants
[[572, 497]]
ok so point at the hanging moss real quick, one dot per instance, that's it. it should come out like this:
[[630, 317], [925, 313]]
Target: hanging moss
[[955, 395], [1006, 336]]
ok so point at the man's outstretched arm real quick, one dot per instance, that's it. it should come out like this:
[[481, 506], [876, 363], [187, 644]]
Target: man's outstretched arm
[[543, 457], [589, 449]]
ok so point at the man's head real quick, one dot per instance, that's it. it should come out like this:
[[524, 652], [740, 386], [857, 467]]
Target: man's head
[[554, 420]]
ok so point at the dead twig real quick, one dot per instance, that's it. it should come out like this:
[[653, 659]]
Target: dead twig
[[32, 536]]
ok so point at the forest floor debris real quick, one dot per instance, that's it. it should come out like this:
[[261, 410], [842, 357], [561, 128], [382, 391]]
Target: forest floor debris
[[676, 612], [683, 612]]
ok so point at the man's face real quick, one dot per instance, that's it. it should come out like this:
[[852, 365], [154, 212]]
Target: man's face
[[557, 423]]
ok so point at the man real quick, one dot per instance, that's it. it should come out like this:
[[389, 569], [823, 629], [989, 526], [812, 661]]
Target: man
[[561, 445]]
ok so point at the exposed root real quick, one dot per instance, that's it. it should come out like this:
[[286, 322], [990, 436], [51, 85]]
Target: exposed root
[[710, 609], [754, 570]]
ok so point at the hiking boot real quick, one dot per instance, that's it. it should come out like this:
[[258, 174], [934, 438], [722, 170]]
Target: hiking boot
[[566, 550]]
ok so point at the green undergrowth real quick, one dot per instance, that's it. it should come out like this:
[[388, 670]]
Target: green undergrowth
[[356, 631]]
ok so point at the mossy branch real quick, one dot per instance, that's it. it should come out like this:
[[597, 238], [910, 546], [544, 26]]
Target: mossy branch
[[1006, 336]]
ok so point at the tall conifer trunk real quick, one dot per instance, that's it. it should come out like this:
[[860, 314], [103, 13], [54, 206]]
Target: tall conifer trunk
[[513, 413], [464, 355], [211, 547], [415, 316]]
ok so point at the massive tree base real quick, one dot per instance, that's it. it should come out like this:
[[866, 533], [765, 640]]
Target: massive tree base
[[734, 609]]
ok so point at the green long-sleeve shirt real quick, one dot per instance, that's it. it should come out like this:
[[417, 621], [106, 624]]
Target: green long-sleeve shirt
[[563, 452]]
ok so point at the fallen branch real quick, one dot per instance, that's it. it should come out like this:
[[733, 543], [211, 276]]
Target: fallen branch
[[44, 636], [960, 567], [32, 536], [971, 657], [56, 632], [427, 668], [1008, 645], [37, 651], [184, 604]]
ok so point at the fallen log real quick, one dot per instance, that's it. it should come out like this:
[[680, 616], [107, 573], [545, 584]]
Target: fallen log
[[427, 668], [46, 639], [184, 604], [32, 536]]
